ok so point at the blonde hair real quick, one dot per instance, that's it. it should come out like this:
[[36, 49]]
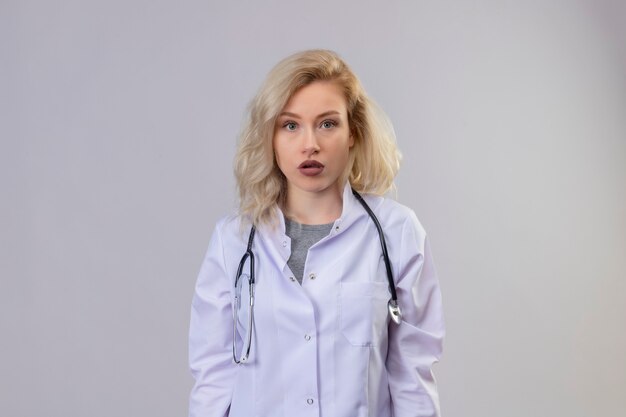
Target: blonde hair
[[374, 159]]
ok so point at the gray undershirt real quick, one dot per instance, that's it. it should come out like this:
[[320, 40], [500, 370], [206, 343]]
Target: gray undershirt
[[303, 236]]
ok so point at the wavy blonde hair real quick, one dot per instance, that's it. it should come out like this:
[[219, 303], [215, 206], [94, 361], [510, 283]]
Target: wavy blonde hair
[[374, 159]]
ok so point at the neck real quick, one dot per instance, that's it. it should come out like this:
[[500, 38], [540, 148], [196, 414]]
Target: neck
[[314, 207]]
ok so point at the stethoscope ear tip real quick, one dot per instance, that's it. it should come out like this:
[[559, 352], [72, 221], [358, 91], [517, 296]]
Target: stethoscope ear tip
[[394, 311]]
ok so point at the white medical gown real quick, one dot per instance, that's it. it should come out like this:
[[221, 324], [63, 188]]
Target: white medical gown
[[326, 348]]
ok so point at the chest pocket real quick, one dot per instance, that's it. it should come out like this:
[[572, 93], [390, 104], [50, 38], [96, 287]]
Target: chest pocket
[[363, 311]]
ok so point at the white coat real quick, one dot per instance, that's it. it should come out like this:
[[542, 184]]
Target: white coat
[[326, 348]]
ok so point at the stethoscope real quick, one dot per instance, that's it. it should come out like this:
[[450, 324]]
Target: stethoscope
[[392, 305]]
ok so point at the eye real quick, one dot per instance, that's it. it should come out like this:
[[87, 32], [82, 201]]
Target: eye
[[327, 124], [290, 126]]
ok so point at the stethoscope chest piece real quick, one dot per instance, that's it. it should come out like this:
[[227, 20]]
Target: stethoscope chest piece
[[394, 311]]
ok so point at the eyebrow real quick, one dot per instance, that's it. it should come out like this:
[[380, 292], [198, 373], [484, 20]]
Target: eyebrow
[[296, 116]]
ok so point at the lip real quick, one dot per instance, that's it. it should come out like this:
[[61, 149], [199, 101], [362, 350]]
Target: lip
[[311, 167]]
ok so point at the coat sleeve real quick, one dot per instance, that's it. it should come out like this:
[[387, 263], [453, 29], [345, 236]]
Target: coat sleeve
[[416, 344], [210, 337]]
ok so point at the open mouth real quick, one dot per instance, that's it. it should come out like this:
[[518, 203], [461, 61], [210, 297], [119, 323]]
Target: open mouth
[[311, 167], [311, 164]]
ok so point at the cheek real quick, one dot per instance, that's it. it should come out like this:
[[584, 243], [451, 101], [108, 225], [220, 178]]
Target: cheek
[[281, 155], [277, 149], [345, 145], [342, 156]]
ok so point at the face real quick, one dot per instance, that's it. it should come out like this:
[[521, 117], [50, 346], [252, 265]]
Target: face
[[312, 139]]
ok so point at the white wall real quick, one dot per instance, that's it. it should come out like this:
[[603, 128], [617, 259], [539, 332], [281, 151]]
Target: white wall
[[118, 122]]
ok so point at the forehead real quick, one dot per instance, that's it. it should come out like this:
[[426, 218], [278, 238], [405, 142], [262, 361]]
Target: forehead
[[319, 96]]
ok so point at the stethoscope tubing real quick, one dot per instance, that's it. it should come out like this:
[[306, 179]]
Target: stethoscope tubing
[[394, 309], [383, 245], [251, 282]]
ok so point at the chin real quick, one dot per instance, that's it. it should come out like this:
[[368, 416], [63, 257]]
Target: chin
[[318, 187]]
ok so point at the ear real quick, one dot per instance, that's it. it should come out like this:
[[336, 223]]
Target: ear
[[351, 139]]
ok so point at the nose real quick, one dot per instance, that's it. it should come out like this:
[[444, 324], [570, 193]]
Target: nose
[[311, 146]]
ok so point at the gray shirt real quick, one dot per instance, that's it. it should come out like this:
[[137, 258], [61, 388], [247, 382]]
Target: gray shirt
[[303, 236]]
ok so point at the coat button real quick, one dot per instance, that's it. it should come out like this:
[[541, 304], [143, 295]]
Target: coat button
[[307, 337], [292, 279], [312, 275], [309, 401], [284, 243]]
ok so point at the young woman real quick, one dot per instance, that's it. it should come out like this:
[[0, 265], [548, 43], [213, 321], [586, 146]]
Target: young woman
[[296, 311]]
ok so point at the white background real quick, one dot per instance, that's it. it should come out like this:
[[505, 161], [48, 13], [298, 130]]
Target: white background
[[118, 123]]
